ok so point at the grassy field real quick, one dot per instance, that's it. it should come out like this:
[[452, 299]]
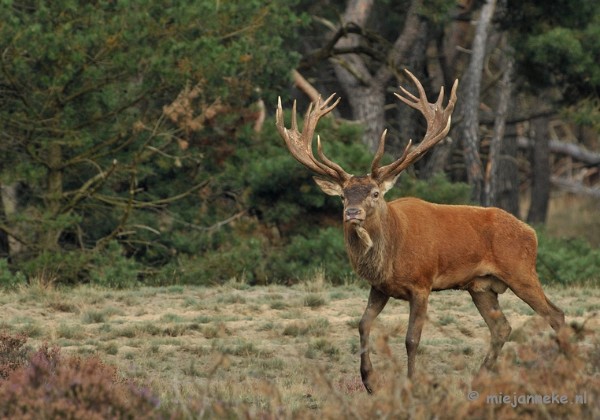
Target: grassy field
[[288, 351]]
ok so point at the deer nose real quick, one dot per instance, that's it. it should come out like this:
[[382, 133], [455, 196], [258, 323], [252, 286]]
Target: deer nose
[[353, 213]]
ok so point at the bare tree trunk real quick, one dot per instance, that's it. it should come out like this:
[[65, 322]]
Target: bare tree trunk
[[53, 196], [408, 120], [365, 90], [451, 44], [9, 203], [438, 159], [491, 173], [470, 94], [367, 103], [456, 39], [507, 195], [540, 180]]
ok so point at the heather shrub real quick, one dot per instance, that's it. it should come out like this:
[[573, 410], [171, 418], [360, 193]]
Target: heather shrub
[[544, 378], [13, 353], [562, 371], [53, 386]]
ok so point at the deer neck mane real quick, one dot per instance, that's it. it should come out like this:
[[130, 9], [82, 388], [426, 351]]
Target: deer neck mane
[[369, 245]]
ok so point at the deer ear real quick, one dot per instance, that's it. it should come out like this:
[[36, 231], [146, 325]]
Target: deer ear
[[328, 187], [388, 183]]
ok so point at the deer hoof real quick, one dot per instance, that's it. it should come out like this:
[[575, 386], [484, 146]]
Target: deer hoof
[[366, 382]]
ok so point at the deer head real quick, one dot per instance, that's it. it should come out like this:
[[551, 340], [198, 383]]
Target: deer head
[[363, 195]]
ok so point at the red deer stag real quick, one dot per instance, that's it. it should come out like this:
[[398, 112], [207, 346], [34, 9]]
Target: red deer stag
[[408, 248]]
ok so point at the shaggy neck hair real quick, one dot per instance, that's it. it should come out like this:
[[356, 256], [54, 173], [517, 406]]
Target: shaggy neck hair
[[368, 246]]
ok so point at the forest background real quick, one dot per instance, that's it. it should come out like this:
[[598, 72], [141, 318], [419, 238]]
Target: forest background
[[137, 140]]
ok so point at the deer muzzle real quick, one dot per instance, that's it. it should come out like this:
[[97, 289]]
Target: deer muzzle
[[354, 215]]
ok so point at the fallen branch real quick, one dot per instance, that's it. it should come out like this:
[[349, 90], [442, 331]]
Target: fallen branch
[[571, 149], [575, 187]]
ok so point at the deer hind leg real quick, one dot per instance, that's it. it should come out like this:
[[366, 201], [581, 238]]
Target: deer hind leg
[[487, 304], [531, 293], [377, 302], [416, 320]]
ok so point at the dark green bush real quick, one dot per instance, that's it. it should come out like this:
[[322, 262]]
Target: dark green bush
[[8, 279], [49, 266], [437, 189], [320, 249], [238, 259], [567, 261], [111, 268]]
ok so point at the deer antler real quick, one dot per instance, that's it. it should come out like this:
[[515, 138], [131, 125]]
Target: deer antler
[[438, 124], [300, 143]]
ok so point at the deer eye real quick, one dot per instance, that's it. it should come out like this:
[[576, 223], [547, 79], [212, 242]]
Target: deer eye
[[375, 194]]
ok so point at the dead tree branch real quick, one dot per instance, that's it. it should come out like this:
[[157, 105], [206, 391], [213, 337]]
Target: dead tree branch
[[570, 149]]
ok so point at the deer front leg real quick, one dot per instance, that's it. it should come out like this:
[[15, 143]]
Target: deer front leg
[[377, 302], [416, 319]]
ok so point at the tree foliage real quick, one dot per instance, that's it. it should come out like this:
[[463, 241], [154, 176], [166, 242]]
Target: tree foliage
[[559, 47], [108, 110]]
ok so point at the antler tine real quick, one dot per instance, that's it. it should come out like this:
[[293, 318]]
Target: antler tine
[[438, 124], [417, 102], [406, 149], [452, 100], [328, 162], [330, 107], [300, 143], [440, 98], [315, 111], [391, 168], [405, 100], [306, 123], [294, 121], [279, 113], [379, 153]]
